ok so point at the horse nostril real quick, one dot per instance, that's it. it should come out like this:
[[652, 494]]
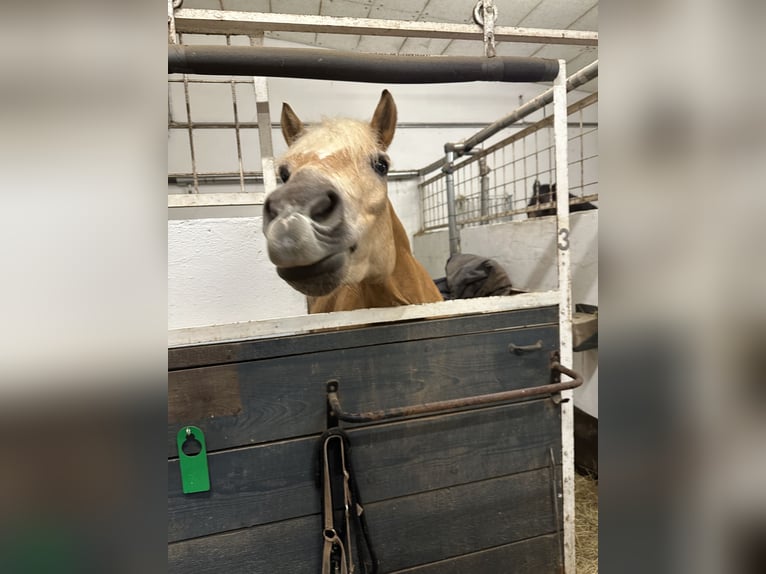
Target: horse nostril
[[325, 206], [269, 213]]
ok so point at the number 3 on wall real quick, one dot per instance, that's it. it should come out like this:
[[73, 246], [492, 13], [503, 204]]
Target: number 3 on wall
[[563, 239]]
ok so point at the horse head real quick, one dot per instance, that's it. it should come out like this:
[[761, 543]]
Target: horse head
[[329, 223]]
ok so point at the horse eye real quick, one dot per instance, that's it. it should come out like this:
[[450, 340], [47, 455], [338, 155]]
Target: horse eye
[[380, 164], [284, 173]]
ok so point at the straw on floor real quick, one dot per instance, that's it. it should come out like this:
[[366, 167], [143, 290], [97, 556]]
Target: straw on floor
[[586, 524]]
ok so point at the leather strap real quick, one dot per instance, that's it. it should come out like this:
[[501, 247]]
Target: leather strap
[[341, 510]]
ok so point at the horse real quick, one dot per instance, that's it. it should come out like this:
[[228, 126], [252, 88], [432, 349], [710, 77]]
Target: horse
[[330, 228], [545, 193]]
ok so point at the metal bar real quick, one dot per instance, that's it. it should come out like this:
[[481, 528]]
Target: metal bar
[[353, 66], [555, 497], [237, 128], [261, 87], [190, 131], [578, 79], [454, 232], [518, 211], [565, 309], [173, 125], [336, 409], [234, 22], [171, 24], [258, 177], [484, 196], [209, 81]]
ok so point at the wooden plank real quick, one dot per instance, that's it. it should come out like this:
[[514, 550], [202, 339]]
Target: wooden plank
[[274, 482], [447, 523], [248, 487], [406, 532], [343, 319], [223, 353], [193, 398], [447, 450], [293, 546], [539, 555], [233, 22], [285, 397]]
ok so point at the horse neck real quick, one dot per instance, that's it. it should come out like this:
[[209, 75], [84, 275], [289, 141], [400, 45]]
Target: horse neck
[[402, 287]]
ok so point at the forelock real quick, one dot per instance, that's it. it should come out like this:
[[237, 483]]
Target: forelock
[[331, 136]]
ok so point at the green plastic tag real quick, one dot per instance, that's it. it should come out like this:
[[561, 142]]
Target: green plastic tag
[[192, 454]]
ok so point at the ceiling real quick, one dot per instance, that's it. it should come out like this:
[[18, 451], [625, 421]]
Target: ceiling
[[549, 14]]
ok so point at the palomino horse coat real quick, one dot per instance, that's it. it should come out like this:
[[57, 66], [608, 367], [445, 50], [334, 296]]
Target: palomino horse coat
[[330, 228]]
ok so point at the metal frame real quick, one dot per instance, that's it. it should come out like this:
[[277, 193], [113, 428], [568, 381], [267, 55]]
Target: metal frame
[[232, 22], [254, 24], [565, 309], [434, 202]]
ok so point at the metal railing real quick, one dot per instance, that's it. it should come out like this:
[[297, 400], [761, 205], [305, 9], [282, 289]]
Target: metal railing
[[496, 183]]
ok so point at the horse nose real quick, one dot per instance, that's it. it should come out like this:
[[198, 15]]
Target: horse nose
[[322, 205]]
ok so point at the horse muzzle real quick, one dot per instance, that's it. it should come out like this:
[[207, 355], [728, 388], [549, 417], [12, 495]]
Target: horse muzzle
[[307, 235]]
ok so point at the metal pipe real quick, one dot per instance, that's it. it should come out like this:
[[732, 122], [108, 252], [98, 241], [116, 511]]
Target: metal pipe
[[430, 408], [257, 177], [454, 232], [354, 67], [484, 198], [174, 125], [574, 81]]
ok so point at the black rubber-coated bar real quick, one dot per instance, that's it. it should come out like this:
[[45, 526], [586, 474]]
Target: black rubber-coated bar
[[354, 67]]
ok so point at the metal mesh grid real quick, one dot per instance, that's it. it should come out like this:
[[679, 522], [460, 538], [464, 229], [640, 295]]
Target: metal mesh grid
[[194, 132], [496, 183]]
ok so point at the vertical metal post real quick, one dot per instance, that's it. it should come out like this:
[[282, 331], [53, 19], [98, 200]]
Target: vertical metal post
[[171, 23], [190, 130], [484, 197], [454, 233], [264, 126], [565, 309], [237, 135]]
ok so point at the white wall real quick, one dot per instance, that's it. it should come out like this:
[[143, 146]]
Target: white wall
[[219, 271], [217, 274]]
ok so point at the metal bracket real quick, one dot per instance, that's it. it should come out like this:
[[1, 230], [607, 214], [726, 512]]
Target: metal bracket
[[555, 374], [521, 349], [485, 15]]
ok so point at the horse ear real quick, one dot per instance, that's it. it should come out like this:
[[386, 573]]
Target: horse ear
[[292, 126], [384, 119]]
